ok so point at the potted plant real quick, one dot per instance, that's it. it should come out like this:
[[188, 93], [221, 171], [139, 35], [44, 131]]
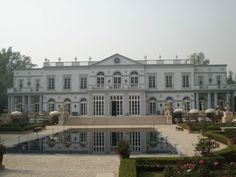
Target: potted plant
[[2, 151], [123, 149]]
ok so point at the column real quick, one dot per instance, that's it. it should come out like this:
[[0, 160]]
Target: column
[[12, 103], [227, 99], [143, 104], [40, 103], [9, 104], [208, 100], [125, 104], [90, 104], [143, 141], [23, 103], [215, 99], [106, 105], [197, 101], [29, 103]]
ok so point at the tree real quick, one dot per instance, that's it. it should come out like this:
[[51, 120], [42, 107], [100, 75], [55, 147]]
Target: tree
[[199, 59], [10, 61], [230, 77]]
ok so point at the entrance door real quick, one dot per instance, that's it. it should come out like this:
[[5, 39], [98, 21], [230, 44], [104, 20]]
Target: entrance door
[[113, 108]]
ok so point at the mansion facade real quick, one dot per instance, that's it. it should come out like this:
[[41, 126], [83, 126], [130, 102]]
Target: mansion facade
[[120, 86]]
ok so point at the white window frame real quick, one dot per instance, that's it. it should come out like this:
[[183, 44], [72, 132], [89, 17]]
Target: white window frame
[[135, 141], [169, 80], [151, 81], [83, 106], [100, 80], [134, 79], [134, 105], [67, 82], [117, 80], [83, 82], [185, 81], [98, 105], [98, 141], [83, 137], [119, 104], [51, 82]]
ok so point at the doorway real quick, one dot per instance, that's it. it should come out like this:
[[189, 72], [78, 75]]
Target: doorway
[[113, 111]]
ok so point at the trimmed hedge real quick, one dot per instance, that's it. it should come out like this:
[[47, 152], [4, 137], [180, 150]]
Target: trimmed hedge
[[215, 136], [18, 127], [229, 153], [127, 168]]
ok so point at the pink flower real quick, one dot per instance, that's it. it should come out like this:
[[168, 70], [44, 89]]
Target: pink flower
[[216, 163], [201, 162]]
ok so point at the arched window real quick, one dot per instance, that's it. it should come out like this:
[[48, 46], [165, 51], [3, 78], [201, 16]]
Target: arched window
[[117, 79], [68, 103], [186, 103], [100, 80], [152, 105], [51, 105], [83, 106], [134, 79]]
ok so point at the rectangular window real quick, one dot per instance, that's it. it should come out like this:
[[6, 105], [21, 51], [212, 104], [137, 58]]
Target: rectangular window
[[51, 83], [98, 142], [83, 137], [134, 105], [116, 105], [200, 78], [134, 139], [98, 105], [185, 81], [218, 79], [153, 136], [152, 107], [20, 83], [83, 83], [152, 81], [67, 83], [37, 84], [169, 81]]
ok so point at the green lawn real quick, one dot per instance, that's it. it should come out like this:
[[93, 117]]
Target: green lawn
[[150, 174]]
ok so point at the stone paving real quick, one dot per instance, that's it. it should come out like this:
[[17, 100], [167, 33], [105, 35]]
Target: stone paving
[[28, 165], [183, 140]]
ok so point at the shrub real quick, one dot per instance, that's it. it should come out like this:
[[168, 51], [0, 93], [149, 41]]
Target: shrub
[[216, 136], [205, 146], [123, 149]]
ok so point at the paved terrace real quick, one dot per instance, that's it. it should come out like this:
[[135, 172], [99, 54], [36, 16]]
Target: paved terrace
[[28, 165], [184, 141]]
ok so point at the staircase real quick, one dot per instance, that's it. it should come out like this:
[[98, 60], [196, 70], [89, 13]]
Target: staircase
[[116, 120]]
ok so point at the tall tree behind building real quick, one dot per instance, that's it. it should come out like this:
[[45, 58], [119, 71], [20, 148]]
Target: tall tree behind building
[[10, 61], [199, 59]]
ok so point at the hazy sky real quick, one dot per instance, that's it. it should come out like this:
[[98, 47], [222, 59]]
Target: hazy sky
[[134, 28]]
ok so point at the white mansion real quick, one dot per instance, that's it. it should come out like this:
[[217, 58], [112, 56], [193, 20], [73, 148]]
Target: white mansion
[[120, 86]]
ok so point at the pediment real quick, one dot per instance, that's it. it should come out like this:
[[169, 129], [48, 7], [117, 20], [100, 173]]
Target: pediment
[[117, 59]]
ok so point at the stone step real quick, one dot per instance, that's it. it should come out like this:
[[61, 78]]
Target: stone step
[[119, 120]]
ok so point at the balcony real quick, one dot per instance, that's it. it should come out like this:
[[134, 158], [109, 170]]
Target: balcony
[[116, 86], [25, 90]]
